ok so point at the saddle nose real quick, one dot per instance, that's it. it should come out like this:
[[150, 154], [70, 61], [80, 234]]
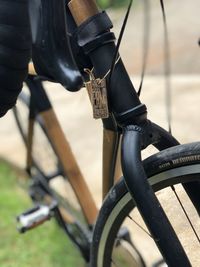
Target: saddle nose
[[51, 50]]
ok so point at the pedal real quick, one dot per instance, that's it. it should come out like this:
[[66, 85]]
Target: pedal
[[35, 217]]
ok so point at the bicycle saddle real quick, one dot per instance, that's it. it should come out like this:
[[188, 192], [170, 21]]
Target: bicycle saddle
[[51, 50]]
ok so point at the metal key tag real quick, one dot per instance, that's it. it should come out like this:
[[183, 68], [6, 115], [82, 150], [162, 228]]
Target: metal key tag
[[98, 96]]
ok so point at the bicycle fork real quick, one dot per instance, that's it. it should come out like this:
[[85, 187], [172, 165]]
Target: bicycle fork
[[146, 201]]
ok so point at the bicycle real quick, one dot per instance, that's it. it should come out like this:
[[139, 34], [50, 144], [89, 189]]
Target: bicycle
[[172, 166]]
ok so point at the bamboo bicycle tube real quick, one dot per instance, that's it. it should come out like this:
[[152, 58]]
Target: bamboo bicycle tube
[[70, 166], [29, 143], [81, 10], [110, 141]]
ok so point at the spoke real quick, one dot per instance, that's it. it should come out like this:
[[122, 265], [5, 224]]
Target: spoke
[[185, 212], [142, 228]]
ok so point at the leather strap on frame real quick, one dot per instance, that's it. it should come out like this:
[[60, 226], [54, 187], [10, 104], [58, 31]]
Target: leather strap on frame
[[95, 32], [93, 27]]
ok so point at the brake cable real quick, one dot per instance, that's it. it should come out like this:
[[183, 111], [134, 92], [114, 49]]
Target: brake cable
[[145, 41]]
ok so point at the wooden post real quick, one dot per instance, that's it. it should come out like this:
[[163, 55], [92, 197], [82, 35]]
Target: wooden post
[[110, 140], [81, 10]]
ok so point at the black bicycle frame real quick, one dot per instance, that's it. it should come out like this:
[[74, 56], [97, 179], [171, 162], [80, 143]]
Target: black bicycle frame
[[147, 203]]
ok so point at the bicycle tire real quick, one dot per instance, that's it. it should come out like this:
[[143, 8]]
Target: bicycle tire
[[168, 168]]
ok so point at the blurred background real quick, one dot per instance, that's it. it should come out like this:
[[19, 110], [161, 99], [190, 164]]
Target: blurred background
[[75, 114]]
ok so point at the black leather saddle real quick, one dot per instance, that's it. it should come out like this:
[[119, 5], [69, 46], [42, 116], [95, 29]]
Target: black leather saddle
[[51, 50]]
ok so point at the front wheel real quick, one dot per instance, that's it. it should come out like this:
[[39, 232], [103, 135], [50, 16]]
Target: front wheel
[[167, 171]]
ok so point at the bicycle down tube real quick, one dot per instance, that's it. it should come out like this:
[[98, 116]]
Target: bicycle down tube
[[131, 115]]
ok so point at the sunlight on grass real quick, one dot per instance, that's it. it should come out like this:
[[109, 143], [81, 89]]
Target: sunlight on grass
[[45, 246]]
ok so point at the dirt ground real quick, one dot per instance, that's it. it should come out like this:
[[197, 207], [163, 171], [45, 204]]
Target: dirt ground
[[184, 32], [74, 111]]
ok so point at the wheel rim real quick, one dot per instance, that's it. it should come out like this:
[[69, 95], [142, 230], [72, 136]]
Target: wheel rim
[[164, 179]]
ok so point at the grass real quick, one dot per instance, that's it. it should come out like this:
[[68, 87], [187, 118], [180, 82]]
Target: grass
[[113, 3], [45, 246]]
